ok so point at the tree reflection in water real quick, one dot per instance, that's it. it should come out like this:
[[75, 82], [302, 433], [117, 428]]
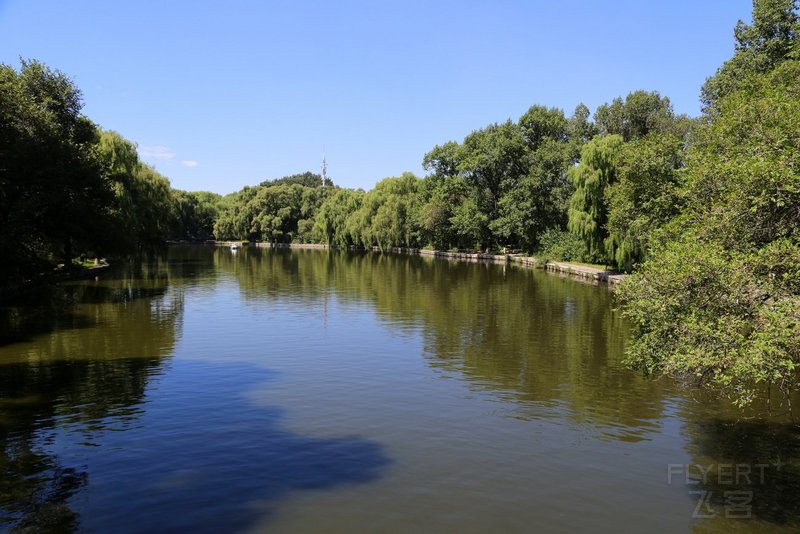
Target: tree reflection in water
[[96, 435]]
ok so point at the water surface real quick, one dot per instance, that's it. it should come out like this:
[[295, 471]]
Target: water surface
[[313, 391]]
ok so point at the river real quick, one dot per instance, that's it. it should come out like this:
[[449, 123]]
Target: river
[[314, 391]]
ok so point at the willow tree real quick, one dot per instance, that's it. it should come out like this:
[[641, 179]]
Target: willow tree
[[588, 208], [142, 214], [386, 215], [53, 189], [330, 223]]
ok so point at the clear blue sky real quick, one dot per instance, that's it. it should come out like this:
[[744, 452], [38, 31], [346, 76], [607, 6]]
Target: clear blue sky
[[219, 95]]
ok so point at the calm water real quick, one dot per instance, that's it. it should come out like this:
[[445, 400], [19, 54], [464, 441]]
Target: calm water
[[306, 391]]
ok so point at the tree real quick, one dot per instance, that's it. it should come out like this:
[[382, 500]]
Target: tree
[[641, 113], [441, 218], [493, 160], [142, 213], [540, 123], [718, 302], [53, 189], [588, 209], [330, 223], [645, 196], [308, 179], [385, 217], [281, 210], [443, 160], [760, 47], [539, 201], [580, 128], [282, 213], [196, 212]]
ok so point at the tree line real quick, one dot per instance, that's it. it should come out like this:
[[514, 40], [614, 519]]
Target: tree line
[[527, 184], [704, 211], [69, 189]]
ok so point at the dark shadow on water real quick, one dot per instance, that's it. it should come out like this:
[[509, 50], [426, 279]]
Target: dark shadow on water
[[756, 462], [186, 452], [56, 308]]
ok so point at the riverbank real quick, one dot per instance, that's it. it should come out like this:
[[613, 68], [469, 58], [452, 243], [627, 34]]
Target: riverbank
[[44, 279], [584, 273]]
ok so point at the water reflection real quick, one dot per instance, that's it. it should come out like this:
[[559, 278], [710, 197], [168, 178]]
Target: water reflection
[[78, 359], [553, 348], [106, 408], [97, 424], [39, 400], [744, 465], [525, 335]]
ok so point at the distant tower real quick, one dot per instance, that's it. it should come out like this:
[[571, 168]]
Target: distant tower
[[324, 169]]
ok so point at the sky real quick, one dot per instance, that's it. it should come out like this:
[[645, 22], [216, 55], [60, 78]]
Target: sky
[[219, 95]]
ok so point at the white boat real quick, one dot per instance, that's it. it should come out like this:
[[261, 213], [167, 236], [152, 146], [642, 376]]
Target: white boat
[[234, 247]]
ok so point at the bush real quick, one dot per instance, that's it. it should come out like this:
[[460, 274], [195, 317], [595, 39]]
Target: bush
[[561, 245]]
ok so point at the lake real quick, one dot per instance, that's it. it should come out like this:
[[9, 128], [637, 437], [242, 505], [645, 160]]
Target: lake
[[315, 391]]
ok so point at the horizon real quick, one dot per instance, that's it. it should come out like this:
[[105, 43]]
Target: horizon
[[217, 98]]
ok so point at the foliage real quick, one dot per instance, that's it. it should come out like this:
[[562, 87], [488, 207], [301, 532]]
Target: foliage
[[539, 200], [196, 212], [53, 190], [274, 213], [493, 161], [142, 212], [719, 300], [385, 218], [760, 48], [447, 216], [588, 211], [561, 245], [307, 179], [330, 223], [645, 196], [504, 184], [640, 114]]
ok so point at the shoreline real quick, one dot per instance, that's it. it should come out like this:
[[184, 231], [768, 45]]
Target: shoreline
[[583, 273]]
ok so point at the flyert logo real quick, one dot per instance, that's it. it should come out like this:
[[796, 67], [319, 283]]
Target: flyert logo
[[736, 502]]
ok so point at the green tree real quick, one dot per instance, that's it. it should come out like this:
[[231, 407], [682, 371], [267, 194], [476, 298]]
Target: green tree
[[142, 213], [641, 113], [760, 47], [588, 208], [53, 188], [540, 123], [308, 179], [539, 201], [282, 213], [385, 218], [645, 196], [233, 222], [443, 160], [331, 220], [719, 301], [493, 160], [196, 212], [441, 218], [580, 128]]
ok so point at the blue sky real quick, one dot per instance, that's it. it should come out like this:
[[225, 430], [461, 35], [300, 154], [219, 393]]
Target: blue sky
[[219, 95]]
